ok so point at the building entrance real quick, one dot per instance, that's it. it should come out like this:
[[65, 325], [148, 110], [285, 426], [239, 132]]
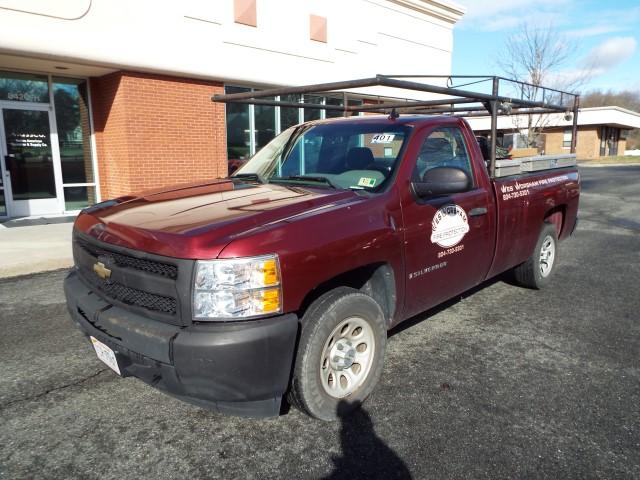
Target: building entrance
[[30, 167]]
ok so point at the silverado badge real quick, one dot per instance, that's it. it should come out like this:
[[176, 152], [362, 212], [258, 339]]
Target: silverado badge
[[102, 271]]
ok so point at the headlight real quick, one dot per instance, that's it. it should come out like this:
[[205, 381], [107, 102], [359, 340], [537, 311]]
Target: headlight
[[237, 288]]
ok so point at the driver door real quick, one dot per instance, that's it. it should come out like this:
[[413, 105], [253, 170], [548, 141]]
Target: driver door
[[448, 238]]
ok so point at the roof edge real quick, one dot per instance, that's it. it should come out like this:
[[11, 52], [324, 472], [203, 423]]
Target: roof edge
[[611, 107], [446, 10]]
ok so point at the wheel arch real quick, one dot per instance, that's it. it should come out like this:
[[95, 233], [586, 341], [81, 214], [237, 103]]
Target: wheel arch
[[556, 216], [376, 280]]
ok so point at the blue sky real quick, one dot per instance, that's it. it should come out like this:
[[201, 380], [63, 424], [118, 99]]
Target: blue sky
[[606, 36]]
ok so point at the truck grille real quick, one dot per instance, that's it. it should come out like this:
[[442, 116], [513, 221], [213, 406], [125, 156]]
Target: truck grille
[[133, 296], [158, 268], [151, 283]]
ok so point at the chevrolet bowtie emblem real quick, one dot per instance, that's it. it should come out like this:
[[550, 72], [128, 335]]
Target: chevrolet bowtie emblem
[[102, 271]]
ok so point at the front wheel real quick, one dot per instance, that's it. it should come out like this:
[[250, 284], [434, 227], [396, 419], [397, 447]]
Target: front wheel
[[537, 270], [340, 354]]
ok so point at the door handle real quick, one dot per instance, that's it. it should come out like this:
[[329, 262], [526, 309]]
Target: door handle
[[476, 212]]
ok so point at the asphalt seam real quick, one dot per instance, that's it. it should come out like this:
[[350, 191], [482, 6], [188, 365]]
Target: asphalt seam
[[51, 390]]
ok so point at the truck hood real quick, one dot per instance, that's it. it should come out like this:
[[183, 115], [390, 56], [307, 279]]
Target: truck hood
[[197, 221]]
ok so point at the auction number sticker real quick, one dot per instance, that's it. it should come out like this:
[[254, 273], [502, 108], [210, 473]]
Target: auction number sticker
[[383, 138]]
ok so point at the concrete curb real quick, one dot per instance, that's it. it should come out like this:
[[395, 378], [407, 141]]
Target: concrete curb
[[22, 275], [32, 249], [600, 165], [16, 271]]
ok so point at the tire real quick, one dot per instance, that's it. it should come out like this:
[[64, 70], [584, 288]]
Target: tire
[[538, 269], [333, 369]]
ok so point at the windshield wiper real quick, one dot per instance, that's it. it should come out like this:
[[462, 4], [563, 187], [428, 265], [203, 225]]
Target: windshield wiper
[[248, 176], [304, 178]]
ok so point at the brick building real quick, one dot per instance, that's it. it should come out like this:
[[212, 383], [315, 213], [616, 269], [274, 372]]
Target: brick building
[[101, 98], [602, 131]]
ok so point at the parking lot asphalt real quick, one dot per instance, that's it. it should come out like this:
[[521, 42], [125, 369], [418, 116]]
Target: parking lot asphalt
[[503, 383]]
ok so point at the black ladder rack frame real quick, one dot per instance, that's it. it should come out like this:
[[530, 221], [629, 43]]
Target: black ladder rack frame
[[479, 104]]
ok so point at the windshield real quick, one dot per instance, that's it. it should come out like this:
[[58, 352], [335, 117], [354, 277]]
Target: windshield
[[360, 156]]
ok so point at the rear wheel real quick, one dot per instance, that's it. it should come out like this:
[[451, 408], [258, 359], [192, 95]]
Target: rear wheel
[[536, 271], [340, 354]]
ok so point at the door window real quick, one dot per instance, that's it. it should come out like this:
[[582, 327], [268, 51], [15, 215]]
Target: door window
[[29, 159], [443, 147]]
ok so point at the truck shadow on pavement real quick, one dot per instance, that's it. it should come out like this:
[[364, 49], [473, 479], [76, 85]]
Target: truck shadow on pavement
[[364, 454], [506, 277]]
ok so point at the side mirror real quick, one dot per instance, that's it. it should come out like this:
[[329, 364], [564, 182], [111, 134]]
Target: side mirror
[[442, 181]]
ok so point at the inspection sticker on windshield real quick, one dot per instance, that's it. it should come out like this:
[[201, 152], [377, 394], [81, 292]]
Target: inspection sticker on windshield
[[366, 182], [383, 138]]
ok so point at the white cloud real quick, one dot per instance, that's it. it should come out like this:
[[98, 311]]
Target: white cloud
[[597, 62], [594, 31], [610, 53], [606, 21], [496, 15]]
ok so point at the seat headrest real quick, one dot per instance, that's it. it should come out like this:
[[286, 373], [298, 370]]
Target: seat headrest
[[359, 158], [437, 145]]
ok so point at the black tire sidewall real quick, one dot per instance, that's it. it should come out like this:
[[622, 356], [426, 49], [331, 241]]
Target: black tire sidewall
[[547, 230], [318, 323]]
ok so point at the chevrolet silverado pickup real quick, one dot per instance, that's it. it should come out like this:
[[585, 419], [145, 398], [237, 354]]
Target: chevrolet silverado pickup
[[282, 281]]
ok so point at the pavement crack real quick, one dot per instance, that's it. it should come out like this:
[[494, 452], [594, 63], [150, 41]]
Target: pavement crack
[[37, 396]]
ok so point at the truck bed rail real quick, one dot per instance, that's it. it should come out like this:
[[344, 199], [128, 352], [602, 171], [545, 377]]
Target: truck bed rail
[[518, 166]]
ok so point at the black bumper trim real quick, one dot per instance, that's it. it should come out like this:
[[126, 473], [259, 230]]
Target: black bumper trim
[[240, 368]]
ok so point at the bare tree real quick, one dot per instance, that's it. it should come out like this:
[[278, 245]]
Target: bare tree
[[538, 57]]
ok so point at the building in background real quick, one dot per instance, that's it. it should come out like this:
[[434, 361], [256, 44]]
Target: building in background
[[101, 98], [601, 131]]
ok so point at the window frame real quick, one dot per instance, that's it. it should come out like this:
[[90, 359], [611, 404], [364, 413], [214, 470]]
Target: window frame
[[567, 143], [471, 172]]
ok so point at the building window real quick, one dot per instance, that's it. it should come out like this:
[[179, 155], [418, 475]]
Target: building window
[[566, 138], [24, 87], [264, 124], [318, 28], [289, 116], [609, 137], [70, 98], [251, 127], [36, 111], [244, 12], [313, 113], [238, 127]]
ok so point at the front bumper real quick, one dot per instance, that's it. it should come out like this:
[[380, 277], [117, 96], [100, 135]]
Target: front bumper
[[241, 368]]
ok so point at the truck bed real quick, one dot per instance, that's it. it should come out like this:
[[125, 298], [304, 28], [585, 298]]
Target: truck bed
[[524, 201]]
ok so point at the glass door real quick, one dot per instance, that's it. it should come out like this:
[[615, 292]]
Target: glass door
[[29, 166]]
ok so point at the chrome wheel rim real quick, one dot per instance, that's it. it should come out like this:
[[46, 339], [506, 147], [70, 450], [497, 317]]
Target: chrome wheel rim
[[547, 255], [347, 357]]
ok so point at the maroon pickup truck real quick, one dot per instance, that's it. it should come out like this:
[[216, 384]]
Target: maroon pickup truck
[[283, 280]]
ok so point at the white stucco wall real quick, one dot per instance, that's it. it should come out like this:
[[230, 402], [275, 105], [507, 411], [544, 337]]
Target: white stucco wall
[[199, 38]]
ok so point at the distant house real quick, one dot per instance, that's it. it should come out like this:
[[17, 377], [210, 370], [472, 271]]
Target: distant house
[[602, 131]]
